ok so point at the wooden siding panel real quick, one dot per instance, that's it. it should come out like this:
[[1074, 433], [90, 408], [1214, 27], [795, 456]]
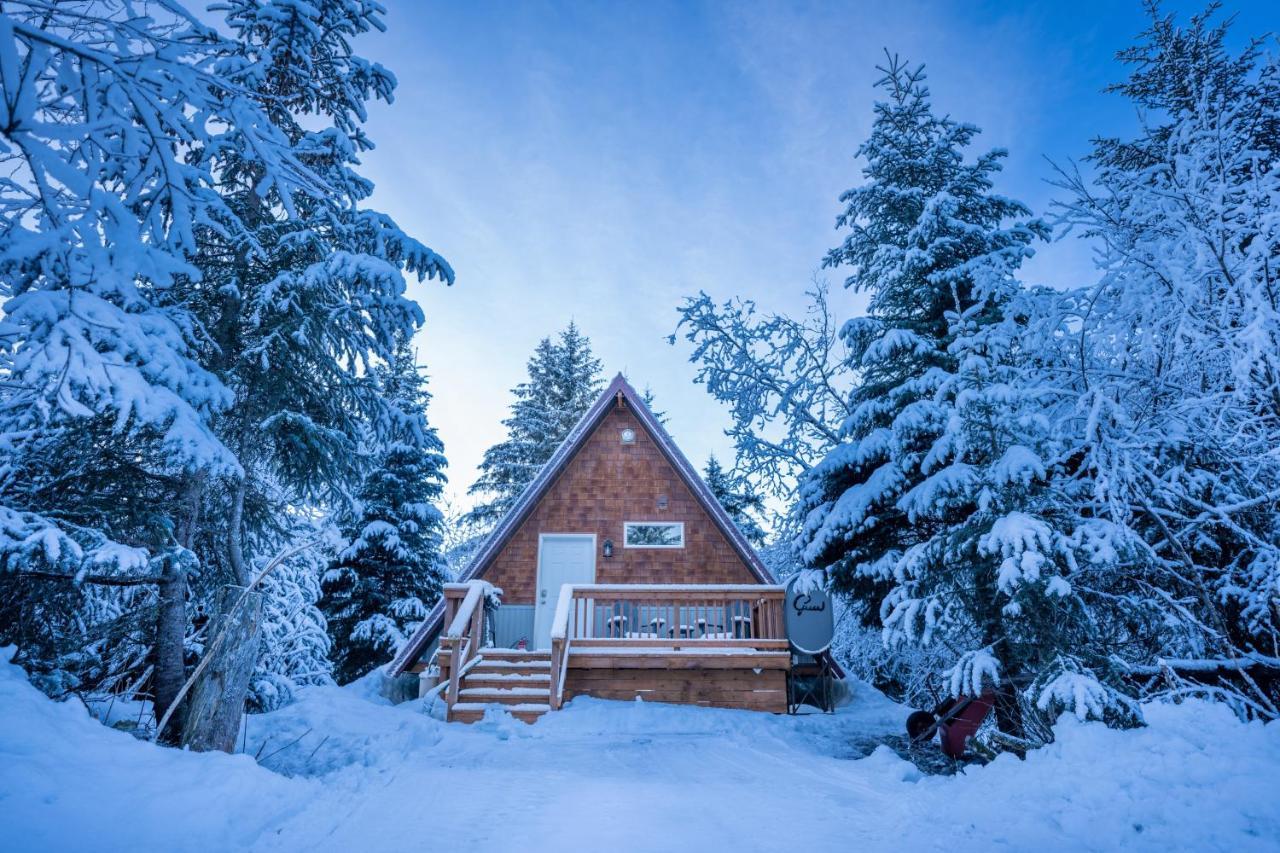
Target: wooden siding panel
[[605, 484], [720, 688]]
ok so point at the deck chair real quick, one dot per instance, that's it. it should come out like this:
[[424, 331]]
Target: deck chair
[[622, 616], [737, 620], [627, 621], [650, 624]]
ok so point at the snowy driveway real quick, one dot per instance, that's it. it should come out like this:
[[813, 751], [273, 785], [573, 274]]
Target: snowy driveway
[[602, 776], [340, 772]]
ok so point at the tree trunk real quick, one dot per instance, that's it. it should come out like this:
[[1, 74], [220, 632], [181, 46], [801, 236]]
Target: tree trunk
[[1009, 714], [192, 498], [217, 698], [235, 535], [171, 628]]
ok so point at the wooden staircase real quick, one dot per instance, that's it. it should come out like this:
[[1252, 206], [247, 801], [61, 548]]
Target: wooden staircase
[[515, 681]]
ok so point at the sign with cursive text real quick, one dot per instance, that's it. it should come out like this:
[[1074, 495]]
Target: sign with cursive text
[[808, 614]]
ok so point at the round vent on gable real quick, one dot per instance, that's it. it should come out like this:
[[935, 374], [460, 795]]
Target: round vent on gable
[[628, 436]]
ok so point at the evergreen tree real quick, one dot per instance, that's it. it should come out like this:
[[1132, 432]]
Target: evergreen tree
[[384, 583], [230, 296], [902, 503], [1003, 571], [111, 180], [1071, 491], [299, 306], [80, 560], [740, 501], [564, 380], [919, 226], [650, 402], [302, 310], [296, 647]]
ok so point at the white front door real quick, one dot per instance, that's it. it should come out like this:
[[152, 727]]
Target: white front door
[[562, 558]]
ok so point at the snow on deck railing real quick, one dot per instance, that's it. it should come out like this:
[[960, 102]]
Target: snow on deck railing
[[709, 589], [560, 644], [676, 613], [560, 623], [476, 592]]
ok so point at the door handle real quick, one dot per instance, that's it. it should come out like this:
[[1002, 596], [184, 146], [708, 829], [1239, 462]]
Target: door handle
[[544, 597]]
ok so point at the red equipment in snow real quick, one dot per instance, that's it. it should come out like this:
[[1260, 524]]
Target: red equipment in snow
[[955, 721]]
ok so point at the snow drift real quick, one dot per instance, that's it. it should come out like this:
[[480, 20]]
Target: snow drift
[[342, 769]]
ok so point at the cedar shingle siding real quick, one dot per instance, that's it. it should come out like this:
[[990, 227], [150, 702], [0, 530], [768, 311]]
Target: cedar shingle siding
[[605, 484]]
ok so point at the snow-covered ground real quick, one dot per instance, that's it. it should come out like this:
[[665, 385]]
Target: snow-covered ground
[[342, 770]]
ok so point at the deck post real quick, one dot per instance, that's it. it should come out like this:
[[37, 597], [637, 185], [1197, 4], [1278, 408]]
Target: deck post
[[557, 652]]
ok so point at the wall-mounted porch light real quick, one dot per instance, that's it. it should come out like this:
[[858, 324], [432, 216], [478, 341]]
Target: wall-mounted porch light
[[608, 548]]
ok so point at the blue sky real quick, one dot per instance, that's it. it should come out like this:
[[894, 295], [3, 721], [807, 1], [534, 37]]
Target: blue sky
[[600, 161]]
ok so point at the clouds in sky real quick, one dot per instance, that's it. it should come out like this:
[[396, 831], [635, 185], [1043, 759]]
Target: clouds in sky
[[599, 161]]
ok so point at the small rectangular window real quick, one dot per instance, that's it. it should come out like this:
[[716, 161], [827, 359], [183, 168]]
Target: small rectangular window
[[653, 534]]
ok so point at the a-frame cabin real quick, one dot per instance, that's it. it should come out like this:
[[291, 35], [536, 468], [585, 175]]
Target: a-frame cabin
[[620, 576]]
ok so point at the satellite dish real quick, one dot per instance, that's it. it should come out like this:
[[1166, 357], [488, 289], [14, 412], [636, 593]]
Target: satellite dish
[[808, 614]]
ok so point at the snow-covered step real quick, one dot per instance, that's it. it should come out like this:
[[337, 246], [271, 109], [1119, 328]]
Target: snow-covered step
[[471, 712], [488, 666], [514, 654], [537, 707], [506, 691], [507, 696], [507, 679], [500, 662]]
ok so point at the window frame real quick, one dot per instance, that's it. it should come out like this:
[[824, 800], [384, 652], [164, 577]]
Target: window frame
[[627, 525]]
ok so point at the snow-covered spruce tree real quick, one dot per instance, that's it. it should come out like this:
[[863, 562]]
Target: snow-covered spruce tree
[[1006, 572], [564, 380], [1172, 360], [386, 580], [213, 295], [740, 500], [926, 233], [113, 131], [80, 605], [302, 311], [81, 565], [317, 293]]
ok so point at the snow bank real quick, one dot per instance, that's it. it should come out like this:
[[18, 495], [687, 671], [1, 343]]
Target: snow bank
[[69, 783], [342, 770], [1194, 779], [330, 728]]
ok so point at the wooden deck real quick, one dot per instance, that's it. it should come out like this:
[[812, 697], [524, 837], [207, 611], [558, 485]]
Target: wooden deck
[[720, 646]]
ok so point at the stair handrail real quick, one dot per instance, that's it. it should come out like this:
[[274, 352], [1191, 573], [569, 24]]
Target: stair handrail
[[560, 639], [465, 633], [455, 672], [466, 611]]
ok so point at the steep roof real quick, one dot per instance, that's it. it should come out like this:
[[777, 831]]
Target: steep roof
[[619, 388]]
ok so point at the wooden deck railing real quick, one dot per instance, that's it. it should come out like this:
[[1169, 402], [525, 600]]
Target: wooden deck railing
[[668, 617], [464, 615]]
